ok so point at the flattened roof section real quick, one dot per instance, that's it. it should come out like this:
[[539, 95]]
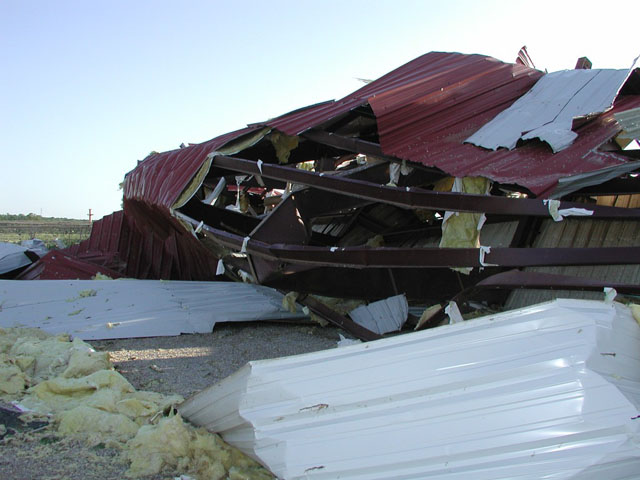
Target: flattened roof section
[[421, 83]]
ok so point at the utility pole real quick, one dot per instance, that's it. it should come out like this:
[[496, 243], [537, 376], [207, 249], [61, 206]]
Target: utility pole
[[90, 216]]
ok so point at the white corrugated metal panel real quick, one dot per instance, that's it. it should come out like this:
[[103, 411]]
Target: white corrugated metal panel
[[549, 391], [101, 309], [12, 257], [548, 109], [629, 120], [384, 316]]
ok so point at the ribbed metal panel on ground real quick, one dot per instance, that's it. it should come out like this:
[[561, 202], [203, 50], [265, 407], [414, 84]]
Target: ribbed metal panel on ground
[[550, 391], [12, 257], [102, 309]]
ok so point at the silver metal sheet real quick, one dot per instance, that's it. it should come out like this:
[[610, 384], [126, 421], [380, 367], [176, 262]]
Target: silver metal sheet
[[547, 110], [550, 391], [12, 257], [629, 120], [384, 316], [102, 309]]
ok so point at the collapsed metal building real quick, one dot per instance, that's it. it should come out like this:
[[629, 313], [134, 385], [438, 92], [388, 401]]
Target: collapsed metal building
[[452, 172]]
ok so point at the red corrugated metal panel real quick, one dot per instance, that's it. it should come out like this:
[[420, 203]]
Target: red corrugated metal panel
[[160, 178], [134, 248], [419, 84], [152, 253], [57, 265], [105, 236]]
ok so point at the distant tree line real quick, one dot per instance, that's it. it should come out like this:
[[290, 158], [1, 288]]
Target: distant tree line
[[29, 217]]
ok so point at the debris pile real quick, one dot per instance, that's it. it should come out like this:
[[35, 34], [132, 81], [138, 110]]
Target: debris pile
[[438, 178]]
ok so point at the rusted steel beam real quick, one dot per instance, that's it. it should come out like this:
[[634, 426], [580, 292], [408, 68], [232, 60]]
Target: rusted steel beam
[[388, 257], [415, 197], [337, 319], [349, 144], [549, 281], [515, 279], [383, 257]]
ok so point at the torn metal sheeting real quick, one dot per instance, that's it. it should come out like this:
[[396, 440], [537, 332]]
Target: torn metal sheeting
[[552, 390], [13, 257], [579, 181], [103, 309], [547, 111], [383, 316]]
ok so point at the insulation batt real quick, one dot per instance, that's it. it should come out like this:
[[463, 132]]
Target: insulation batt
[[69, 382]]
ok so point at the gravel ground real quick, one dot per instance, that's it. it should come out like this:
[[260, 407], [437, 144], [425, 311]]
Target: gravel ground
[[187, 364], [180, 365]]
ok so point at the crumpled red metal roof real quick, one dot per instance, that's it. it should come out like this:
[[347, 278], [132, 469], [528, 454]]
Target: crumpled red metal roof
[[160, 178], [425, 109], [428, 107], [58, 265], [531, 165]]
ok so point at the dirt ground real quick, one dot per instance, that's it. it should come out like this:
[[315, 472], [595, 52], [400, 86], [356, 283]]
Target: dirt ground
[[180, 365]]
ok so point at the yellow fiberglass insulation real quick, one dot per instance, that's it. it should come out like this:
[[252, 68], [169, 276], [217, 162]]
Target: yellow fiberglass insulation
[[462, 230], [87, 398], [635, 310], [177, 446]]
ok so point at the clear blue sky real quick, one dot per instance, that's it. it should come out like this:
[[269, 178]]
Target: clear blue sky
[[87, 88]]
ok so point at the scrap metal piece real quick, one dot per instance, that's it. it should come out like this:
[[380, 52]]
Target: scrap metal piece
[[335, 318], [13, 257], [383, 316]]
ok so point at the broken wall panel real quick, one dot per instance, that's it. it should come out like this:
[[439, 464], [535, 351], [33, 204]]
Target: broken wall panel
[[161, 178], [383, 316], [120, 245], [588, 234]]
